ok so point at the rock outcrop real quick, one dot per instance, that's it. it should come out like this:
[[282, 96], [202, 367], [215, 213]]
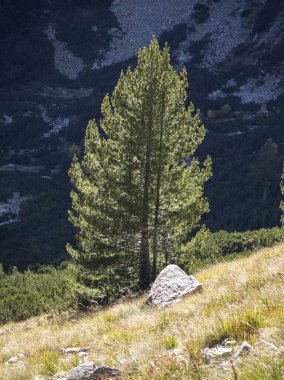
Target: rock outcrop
[[172, 285], [88, 371]]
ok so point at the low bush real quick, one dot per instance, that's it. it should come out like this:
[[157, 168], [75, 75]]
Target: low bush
[[26, 294], [207, 248]]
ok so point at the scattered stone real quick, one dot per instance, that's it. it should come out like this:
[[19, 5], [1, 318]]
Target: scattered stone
[[226, 366], [220, 351], [6, 119], [229, 342], [218, 94], [64, 60], [60, 375], [244, 347], [16, 359], [217, 352], [82, 372], [87, 371], [172, 285], [103, 372], [177, 351], [180, 356], [75, 350], [83, 356]]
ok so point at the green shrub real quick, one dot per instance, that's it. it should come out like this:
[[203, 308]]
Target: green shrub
[[207, 248], [170, 343], [23, 295]]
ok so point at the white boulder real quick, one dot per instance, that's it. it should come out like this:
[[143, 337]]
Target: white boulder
[[172, 285]]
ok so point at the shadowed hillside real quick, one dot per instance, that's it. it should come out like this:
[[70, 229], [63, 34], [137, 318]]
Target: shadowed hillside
[[241, 300]]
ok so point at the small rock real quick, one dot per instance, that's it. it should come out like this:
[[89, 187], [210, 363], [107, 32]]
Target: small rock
[[226, 366], [82, 372], [83, 356], [60, 375], [218, 351], [16, 359], [244, 347], [87, 371], [74, 350], [104, 372], [177, 352], [229, 342], [172, 285], [180, 356]]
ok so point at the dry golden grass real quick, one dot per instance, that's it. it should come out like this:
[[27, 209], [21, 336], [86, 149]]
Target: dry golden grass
[[242, 299]]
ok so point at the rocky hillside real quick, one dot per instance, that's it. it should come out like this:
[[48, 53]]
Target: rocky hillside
[[231, 330], [58, 59]]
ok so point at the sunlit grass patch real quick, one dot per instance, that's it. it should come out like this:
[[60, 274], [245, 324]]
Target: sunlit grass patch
[[242, 300], [195, 354], [170, 343], [242, 326], [169, 367], [46, 362], [265, 369]]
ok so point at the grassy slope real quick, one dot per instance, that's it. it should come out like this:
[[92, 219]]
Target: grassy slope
[[242, 299]]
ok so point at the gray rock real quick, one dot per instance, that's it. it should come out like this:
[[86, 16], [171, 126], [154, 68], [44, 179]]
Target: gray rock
[[172, 285], [83, 355], [82, 372], [105, 372], [244, 347], [16, 359], [229, 342], [216, 352], [87, 371], [74, 350]]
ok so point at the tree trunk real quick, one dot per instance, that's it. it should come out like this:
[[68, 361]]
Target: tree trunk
[[157, 202], [144, 270], [145, 266]]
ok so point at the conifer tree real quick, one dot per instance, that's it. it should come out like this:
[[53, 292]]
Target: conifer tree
[[139, 192]]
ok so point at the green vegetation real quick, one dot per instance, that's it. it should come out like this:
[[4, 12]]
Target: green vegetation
[[242, 299], [271, 368], [139, 192], [242, 326], [207, 248], [51, 290], [23, 295]]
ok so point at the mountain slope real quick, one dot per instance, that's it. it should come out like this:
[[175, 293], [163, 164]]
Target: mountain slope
[[58, 59], [242, 300]]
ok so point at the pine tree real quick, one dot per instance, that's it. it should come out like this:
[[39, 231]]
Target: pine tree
[[139, 192]]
